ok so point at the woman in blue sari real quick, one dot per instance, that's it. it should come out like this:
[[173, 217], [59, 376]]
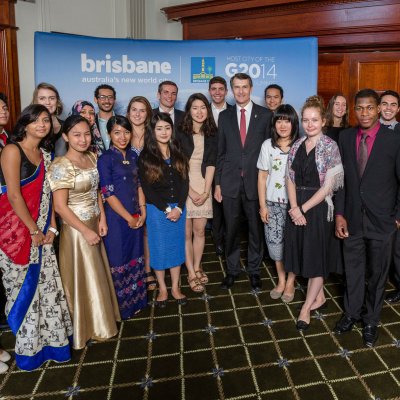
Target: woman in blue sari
[[36, 307]]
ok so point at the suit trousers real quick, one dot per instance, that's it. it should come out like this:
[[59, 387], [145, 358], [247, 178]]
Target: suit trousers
[[218, 224], [233, 209], [396, 259], [366, 260]]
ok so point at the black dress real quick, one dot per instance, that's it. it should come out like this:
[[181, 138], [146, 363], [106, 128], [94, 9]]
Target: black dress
[[310, 250]]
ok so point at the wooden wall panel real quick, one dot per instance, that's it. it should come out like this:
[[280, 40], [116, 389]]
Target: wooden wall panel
[[9, 78], [358, 40]]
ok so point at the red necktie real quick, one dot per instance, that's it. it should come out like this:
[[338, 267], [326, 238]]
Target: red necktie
[[242, 126]]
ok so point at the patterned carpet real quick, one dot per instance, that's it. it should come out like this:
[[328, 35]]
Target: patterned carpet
[[226, 345]]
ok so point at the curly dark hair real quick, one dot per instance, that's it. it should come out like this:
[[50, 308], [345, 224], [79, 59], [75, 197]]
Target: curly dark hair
[[208, 128], [29, 115], [151, 156], [288, 113]]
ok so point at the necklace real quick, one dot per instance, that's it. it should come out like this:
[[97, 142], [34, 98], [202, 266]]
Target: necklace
[[138, 138]]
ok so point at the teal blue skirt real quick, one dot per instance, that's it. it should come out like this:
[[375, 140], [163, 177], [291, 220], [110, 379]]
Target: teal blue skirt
[[166, 238]]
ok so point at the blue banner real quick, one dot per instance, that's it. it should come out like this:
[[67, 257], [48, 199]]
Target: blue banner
[[76, 65]]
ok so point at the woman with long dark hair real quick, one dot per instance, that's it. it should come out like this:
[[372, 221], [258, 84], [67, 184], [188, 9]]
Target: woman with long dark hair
[[163, 173], [36, 308], [198, 139]]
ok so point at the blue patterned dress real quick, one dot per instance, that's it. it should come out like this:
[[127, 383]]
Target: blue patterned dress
[[124, 246]]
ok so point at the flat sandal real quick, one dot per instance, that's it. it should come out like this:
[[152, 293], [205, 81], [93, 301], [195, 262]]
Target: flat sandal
[[195, 285], [201, 276]]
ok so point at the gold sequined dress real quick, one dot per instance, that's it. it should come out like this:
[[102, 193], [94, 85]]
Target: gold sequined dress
[[84, 269]]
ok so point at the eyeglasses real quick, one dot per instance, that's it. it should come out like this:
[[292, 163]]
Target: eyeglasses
[[102, 97]]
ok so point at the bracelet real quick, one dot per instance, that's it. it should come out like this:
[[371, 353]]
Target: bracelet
[[142, 205], [34, 233], [54, 230], [179, 209]]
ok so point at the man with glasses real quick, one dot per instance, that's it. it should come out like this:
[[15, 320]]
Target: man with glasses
[[104, 96], [367, 214]]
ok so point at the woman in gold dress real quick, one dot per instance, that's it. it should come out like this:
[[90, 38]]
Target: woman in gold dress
[[84, 268]]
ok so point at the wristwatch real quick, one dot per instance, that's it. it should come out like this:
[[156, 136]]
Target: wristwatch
[[168, 210]]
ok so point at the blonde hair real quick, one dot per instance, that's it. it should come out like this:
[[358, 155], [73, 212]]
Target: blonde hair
[[315, 101], [49, 86]]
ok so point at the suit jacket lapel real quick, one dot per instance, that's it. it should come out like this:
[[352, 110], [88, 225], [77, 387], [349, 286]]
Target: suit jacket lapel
[[353, 147], [235, 124]]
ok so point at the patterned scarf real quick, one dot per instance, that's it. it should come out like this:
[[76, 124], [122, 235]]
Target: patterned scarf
[[329, 166]]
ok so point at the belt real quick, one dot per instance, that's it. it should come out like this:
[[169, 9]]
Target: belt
[[307, 188]]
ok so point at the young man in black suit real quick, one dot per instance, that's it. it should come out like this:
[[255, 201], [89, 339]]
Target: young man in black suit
[[241, 131], [367, 213], [218, 89], [167, 94]]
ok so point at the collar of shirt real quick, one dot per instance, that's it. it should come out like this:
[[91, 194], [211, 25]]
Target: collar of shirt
[[391, 125], [213, 107], [372, 133], [171, 113], [371, 138], [248, 107]]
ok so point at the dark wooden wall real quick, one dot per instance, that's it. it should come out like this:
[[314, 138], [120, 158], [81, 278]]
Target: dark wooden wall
[[9, 78], [358, 40]]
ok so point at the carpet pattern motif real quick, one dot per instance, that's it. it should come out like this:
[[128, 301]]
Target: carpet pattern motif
[[224, 345]]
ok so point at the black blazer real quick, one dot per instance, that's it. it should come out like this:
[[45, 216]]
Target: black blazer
[[377, 192], [210, 149], [233, 160], [171, 188], [178, 116]]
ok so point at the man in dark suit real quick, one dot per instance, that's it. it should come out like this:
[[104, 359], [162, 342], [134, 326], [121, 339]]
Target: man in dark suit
[[367, 214], [167, 95], [218, 89], [241, 131]]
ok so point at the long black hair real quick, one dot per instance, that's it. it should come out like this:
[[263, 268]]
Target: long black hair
[[118, 120], [29, 115], [288, 113], [151, 157], [208, 128]]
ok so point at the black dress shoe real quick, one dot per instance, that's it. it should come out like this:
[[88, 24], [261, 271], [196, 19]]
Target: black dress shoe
[[228, 281], [255, 281], [219, 250], [393, 297], [302, 325], [345, 324], [370, 335]]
